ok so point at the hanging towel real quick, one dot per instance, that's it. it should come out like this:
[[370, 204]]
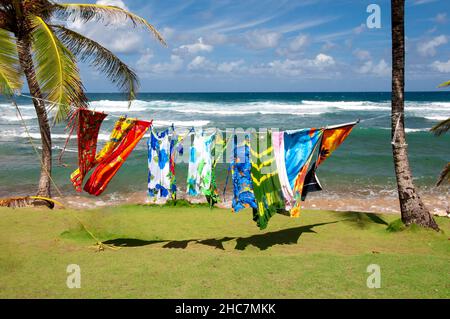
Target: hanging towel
[[89, 123], [200, 164], [240, 171], [159, 174], [266, 184], [278, 148], [332, 138], [299, 147], [107, 168], [175, 148], [120, 128]]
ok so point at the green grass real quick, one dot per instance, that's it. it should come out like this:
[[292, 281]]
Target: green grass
[[195, 252]]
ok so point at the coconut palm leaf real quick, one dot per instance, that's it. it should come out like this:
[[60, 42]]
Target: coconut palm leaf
[[56, 71], [444, 84], [100, 58], [87, 12], [441, 127], [445, 175], [10, 74]]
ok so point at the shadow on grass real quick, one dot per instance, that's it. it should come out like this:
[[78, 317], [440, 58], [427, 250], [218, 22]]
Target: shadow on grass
[[264, 241], [363, 220]]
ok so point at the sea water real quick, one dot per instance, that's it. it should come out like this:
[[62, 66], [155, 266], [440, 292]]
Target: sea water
[[362, 165]]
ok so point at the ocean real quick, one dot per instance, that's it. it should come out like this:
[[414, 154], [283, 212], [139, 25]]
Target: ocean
[[358, 175]]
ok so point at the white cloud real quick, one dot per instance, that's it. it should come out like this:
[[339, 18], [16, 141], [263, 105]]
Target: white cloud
[[196, 47], [379, 69], [167, 33], [322, 61], [419, 2], [117, 3], [298, 43], [228, 67], [262, 39], [361, 54], [290, 67], [145, 58], [199, 63], [443, 67], [146, 68], [440, 18], [428, 48], [216, 38], [359, 29]]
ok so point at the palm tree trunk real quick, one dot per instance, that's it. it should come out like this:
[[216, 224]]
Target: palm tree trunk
[[412, 208], [26, 62]]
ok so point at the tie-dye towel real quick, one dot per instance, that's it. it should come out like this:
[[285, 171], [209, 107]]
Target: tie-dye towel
[[240, 171], [200, 164], [159, 173], [266, 185], [299, 148]]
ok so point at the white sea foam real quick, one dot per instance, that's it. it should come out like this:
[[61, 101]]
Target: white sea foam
[[437, 118], [14, 118], [109, 106], [345, 105], [160, 123]]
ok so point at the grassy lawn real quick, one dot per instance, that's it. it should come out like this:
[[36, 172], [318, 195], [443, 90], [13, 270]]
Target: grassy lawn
[[195, 252]]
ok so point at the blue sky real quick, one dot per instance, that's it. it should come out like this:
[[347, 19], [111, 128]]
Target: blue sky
[[261, 45]]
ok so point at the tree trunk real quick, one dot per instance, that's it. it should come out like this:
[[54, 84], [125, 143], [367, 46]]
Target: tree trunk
[[411, 206], [26, 62]]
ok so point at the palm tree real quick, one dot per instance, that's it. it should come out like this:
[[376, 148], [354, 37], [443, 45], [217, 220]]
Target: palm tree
[[412, 208], [32, 45]]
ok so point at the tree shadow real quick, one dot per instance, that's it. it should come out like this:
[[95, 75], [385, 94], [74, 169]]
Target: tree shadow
[[288, 236], [363, 220]]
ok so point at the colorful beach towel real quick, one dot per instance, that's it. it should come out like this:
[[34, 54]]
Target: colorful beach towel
[[312, 183], [266, 184], [200, 164], [109, 166], [299, 147], [176, 147], [240, 171], [332, 138], [159, 172], [89, 123], [120, 128], [279, 153]]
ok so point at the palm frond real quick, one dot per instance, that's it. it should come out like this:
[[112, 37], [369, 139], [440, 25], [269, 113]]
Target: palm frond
[[10, 73], [441, 127], [445, 174], [444, 84], [56, 71], [100, 58], [98, 12]]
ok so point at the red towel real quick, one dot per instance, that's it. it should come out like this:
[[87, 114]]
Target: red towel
[[107, 168], [88, 127]]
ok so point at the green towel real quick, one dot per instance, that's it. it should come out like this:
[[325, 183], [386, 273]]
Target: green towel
[[266, 185]]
